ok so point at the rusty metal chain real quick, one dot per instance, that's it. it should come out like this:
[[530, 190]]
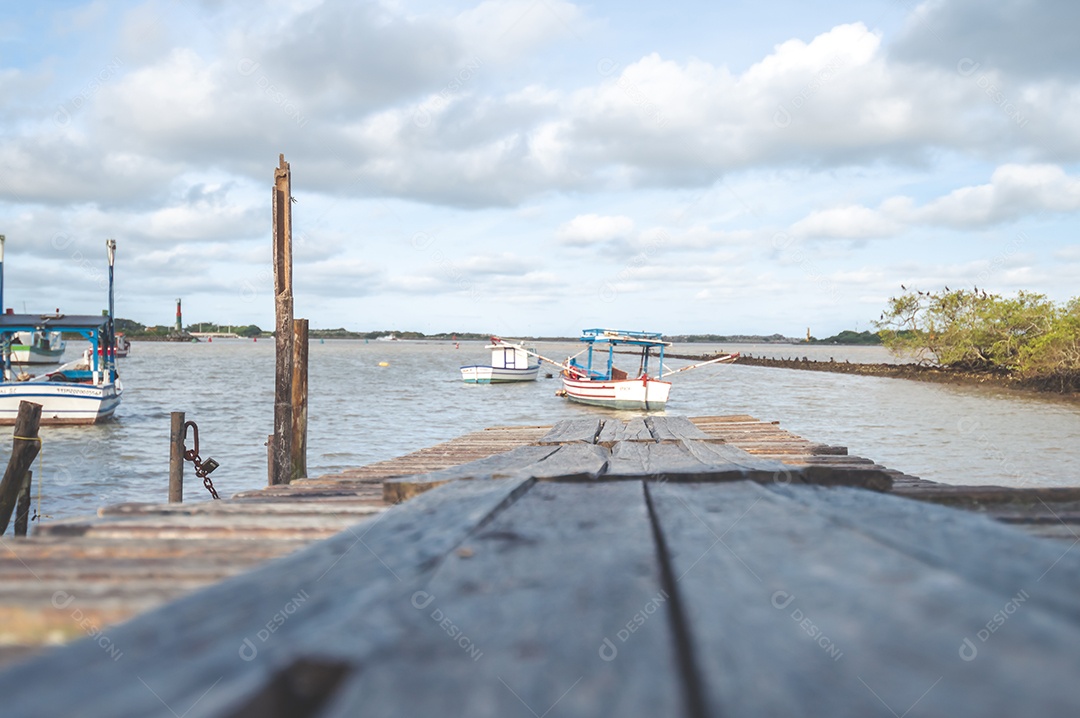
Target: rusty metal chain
[[202, 468]]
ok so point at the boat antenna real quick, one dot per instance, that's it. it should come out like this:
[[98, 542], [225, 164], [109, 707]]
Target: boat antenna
[[110, 244], [3, 238]]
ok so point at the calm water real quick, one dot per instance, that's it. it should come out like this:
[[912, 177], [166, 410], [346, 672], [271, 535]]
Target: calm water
[[361, 412]]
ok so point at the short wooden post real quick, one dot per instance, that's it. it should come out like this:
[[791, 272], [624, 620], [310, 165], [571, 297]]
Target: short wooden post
[[299, 399], [22, 509], [281, 467], [176, 458], [25, 447]]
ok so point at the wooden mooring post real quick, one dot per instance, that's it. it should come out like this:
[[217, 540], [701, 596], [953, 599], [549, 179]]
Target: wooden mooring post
[[22, 507], [25, 447], [299, 400], [289, 444], [176, 458]]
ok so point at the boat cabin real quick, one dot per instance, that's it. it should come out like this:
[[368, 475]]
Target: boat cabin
[[94, 328], [595, 367], [505, 357]]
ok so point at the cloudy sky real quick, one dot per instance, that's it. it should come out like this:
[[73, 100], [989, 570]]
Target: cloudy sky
[[534, 167]]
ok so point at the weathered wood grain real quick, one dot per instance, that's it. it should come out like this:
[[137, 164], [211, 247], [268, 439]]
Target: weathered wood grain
[[572, 462], [202, 526], [25, 446], [572, 431], [555, 608], [329, 507], [511, 463], [205, 652], [675, 428], [792, 612], [615, 431], [999, 558]]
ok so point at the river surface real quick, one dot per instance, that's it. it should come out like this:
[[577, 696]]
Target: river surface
[[361, 412]]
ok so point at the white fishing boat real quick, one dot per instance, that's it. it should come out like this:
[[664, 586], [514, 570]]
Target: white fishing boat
[[509, 363], [599, 383], [123, 346], [37, 347], [85, 391]]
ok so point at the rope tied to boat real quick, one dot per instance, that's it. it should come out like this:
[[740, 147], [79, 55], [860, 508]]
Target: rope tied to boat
[[202, 468]]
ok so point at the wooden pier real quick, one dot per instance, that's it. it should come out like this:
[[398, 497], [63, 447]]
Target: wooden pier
[[660, 566]]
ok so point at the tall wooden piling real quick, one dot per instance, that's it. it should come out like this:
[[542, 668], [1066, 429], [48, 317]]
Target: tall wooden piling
[[281, 468], [25, 447], [176, 458], [299, 400], [22, 507]]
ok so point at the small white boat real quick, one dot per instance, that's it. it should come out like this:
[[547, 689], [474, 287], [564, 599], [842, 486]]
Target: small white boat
[[81, 392], [509, 363], [37, 347], [599, 383], [123, 346]]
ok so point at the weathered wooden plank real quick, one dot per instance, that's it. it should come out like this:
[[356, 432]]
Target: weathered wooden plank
[[564, 462], [991, 495], [245, 508], [676, 462], [572, 462], [569, 431], [1000, 558], [206, 526], [89, 549], [179, 653], [711, 453], [828, 450], [505, 628], [793, 612], [675, 428], [615, 431], [511, 463]]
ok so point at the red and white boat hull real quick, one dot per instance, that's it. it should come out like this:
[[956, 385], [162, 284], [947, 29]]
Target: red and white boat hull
[[633, 394]]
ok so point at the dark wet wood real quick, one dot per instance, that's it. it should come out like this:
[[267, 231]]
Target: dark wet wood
[[22, 506], [24, 449]]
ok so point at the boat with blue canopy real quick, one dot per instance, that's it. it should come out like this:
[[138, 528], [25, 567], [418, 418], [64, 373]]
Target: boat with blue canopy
[[84, 391]]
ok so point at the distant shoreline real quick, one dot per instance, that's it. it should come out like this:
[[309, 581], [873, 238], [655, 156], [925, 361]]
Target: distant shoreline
[[1065, 385]]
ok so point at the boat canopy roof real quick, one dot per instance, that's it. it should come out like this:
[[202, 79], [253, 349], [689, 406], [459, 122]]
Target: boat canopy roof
[[51, 322], [621, 336]]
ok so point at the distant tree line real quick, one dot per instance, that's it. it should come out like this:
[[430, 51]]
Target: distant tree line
[[866, 338], [135, 330], [1027, 335]]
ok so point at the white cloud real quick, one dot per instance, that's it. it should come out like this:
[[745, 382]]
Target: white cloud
[[1014, 192], [852, 222], [593, 229]]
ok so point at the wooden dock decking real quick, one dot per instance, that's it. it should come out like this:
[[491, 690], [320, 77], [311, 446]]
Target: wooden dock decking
[[616, 568]]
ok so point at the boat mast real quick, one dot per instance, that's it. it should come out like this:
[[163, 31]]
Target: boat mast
[[110, 347]]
